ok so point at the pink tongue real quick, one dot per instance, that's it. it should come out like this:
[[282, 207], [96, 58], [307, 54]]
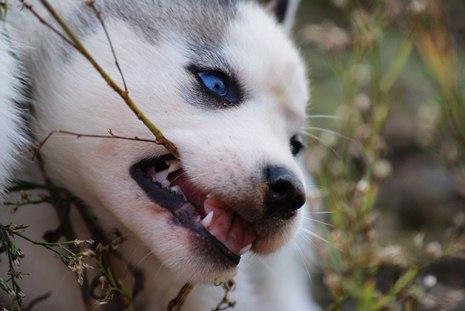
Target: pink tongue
[[226, 226], [229, 228]]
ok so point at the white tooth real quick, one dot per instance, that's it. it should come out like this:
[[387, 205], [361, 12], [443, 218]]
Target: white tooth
[[165, 183], [174, 166], [161, 176], [207, 220], [245, 249], [176, 189]]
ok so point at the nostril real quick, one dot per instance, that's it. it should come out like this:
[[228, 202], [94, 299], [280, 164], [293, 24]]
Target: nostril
[[280, 188], [285, 191]]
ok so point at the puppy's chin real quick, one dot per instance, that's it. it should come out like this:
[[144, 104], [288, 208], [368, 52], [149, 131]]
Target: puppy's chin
[[186, 254], [194, 259], [274, 234], [199, 268]]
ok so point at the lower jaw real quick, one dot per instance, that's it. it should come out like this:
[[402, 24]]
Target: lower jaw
[[214, 259], [166, 185], [198, 261]]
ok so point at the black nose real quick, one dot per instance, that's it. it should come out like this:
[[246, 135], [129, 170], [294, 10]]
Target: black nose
[[285, 192]]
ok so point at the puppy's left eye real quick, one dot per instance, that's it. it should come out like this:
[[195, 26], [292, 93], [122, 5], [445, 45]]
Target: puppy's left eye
[[218, 85], [215, 82], [296, 145]]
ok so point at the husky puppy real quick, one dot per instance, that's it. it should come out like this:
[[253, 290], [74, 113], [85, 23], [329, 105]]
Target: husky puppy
[[223, 81]]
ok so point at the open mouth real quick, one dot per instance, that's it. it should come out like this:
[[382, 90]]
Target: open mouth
[[166, 184]]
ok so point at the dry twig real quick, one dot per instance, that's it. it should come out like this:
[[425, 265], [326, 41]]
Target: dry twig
[[98, 14], [110, 135], [178, 302], [124, 94], [225, 302]]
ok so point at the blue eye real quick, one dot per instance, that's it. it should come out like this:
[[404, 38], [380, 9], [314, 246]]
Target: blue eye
[[217, 87], [215, 82]]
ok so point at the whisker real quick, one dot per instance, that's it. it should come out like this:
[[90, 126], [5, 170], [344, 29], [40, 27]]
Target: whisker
[[314, 235], [304, 262], [331, 132], [158, 271], [143, 259], [319, 140], [324, 116], [319, 213], [315, 186], [128, 269], [319, 221], [313, 243]]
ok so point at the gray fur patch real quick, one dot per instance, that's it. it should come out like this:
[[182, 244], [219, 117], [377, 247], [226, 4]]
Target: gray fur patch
[[202, 23]]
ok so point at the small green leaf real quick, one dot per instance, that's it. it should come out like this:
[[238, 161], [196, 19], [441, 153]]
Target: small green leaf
[[4, 286]]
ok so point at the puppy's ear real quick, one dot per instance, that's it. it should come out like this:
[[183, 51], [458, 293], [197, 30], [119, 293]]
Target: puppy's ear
[[284, 11]]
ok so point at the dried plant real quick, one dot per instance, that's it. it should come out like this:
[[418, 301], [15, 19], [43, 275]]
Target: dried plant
[[350, 168]]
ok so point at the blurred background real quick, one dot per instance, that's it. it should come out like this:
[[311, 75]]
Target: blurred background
[[386, 143], [386, 148]]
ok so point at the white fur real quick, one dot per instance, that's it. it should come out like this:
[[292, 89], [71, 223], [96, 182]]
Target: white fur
[[218, 148], [10, 131]]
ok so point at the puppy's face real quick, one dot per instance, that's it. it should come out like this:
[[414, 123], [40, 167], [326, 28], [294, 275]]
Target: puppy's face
[[233, 107]]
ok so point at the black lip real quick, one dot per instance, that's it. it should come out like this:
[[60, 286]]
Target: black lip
[[176, 204]]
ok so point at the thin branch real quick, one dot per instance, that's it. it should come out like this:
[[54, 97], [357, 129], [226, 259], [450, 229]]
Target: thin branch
[[226, 303], [16, 205], [110, 135], [29, 7], [159, 137], [98, 14], [177, 303]]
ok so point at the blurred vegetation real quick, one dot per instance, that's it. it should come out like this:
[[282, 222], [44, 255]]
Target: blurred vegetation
[[386, 136]]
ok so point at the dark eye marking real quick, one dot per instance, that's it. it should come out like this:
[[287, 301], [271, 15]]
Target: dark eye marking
[[296, 145], [219, 86]]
